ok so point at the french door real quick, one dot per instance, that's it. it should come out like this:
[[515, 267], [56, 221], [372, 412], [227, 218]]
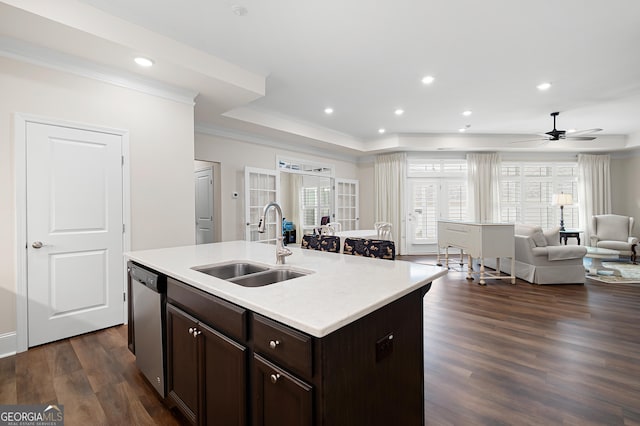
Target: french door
[[429, 201], [346, 202], [262, 186]]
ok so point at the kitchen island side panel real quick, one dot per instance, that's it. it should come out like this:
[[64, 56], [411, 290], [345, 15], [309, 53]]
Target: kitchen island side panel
[[373, 368]]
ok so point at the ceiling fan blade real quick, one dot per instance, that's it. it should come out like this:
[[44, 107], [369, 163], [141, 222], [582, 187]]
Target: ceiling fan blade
[[583, 132], [581, 138], [543, 141]]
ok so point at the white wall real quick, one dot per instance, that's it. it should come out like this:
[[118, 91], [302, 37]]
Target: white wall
[[233, 156], [161, 156]]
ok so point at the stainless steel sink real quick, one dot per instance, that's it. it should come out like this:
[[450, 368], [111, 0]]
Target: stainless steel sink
[[232, 270], [249, 274], [268, 277]]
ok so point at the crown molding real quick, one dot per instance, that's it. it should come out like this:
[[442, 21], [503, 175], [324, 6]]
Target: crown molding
[[37, 55]]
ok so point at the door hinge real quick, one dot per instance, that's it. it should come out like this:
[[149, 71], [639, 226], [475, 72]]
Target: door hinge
[[123, 228], [122, 159], [124, 296]]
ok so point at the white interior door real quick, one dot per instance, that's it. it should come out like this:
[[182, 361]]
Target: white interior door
[[74, 231], [204, 205], [261, 186]]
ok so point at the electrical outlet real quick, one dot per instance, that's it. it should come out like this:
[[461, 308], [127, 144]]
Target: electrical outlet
[[384, 347]]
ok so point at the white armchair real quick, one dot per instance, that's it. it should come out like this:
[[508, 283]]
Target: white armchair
[[612, 231]]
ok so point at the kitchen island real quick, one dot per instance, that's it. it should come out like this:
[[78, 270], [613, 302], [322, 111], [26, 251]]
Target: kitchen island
[[342, 344]]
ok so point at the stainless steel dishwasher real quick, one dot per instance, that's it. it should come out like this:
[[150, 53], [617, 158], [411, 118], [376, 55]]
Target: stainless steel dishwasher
[[148, 298]]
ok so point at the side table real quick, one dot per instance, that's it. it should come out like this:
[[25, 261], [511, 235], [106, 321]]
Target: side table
[[570, 233]]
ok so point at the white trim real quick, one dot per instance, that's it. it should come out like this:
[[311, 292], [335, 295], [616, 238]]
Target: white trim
[[20, 156], [7, 344], [38, 55]]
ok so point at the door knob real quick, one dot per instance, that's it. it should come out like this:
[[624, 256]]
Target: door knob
[[274, 378], [37, 244]]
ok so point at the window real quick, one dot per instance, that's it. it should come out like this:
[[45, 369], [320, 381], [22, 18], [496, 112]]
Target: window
[[526, 190]]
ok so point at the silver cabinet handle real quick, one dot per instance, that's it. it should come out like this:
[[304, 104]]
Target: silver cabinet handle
[[191, 330], [196, 333], [274, 344], [275, 377], [37, 244]]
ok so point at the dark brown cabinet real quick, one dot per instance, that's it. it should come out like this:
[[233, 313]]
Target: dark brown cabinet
[[206, 372], [280, 399], [182, 362]]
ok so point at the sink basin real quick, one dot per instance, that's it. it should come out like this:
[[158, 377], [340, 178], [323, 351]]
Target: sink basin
[[232, 270], [268, 277]]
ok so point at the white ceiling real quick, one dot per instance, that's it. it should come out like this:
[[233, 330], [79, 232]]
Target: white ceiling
[[366, 58]]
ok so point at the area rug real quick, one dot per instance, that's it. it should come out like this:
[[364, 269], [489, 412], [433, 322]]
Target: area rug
[[630, 273]]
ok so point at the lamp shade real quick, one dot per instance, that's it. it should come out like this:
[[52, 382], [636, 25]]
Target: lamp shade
[[562, 199]]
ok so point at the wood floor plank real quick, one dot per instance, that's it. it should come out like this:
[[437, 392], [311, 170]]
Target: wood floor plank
[[528, 354]]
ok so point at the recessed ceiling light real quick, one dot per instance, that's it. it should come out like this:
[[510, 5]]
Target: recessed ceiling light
[[544, 86], [399, 111], [328, 111], [239, 10], [382, 130], [428, 79], [464, 129], [571, 131], [143, 62], [467, 113]]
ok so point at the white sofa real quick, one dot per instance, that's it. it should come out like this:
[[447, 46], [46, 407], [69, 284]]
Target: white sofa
[[540, 259]]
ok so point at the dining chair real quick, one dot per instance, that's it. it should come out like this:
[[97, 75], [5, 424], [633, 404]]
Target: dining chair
[[383, 229], [380, 249], [329, 243]]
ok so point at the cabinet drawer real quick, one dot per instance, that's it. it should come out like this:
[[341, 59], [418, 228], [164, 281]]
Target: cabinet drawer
[[211, 310], [291, 348]]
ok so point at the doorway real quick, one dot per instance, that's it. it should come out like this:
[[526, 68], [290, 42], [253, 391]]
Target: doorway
[[207, 196]]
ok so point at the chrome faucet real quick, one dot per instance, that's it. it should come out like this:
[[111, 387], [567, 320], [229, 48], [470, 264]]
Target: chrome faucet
[[281, 250]]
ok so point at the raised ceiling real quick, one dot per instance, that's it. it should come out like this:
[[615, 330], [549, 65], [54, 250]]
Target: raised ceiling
[[365, 59]]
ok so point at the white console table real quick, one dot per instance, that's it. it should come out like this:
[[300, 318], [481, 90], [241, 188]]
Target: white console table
[[479, 240]]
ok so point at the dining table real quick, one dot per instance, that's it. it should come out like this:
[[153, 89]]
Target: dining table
[[359, 233]]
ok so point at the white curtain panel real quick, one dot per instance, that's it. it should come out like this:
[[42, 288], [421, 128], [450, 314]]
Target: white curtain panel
[[484, 187], [295, 191], [390, 171], [594, 188]]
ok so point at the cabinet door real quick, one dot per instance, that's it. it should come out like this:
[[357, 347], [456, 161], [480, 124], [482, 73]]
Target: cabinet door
[[279, 398], [182, 362], [225, 388]]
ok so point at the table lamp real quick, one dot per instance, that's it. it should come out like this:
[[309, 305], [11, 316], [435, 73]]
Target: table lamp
[[562, 200]]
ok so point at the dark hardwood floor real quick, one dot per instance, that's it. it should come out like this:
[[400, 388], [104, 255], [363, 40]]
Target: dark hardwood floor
[[494, 355]]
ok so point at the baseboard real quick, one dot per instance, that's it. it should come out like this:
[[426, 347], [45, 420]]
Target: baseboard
[[7, 344]]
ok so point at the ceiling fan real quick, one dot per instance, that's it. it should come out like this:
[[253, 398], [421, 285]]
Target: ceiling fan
[[556, 135]]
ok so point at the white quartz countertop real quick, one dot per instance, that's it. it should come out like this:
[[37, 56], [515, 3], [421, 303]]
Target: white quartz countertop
[[339, 290]]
